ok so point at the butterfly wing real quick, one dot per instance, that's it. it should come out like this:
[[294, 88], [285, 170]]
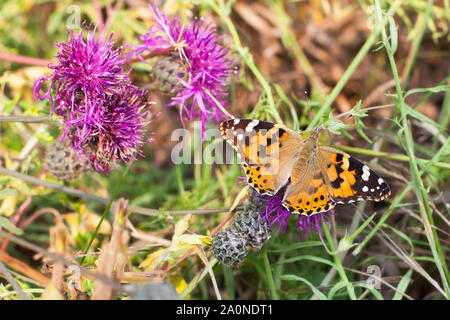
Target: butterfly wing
[[319, 179], [348, 179], [267, 150], [307, 194]]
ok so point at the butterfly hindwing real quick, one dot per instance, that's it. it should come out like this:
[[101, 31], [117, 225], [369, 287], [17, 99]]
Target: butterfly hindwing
[[309, 195], [266, 150], [263, 183], [348, 179], [317, 177]]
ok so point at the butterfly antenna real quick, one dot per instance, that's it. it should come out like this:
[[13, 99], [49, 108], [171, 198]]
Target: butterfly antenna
[[349, 114]]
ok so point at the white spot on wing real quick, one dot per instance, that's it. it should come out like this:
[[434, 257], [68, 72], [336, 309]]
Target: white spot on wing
[[251, 125], [365, 189], [366, 173]]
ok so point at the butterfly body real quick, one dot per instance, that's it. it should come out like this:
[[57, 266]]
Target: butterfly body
[[316, 177]]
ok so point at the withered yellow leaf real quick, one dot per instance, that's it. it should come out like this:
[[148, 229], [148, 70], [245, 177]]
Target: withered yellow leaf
[[51, 293]]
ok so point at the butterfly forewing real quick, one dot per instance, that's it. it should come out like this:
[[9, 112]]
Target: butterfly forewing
[[348, 179], [266, 150], [319, 176]]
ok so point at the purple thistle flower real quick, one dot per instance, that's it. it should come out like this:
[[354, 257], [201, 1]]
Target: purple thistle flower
[[276, 213], [119, 134], [206, 62], [103, 112], [86, 70]]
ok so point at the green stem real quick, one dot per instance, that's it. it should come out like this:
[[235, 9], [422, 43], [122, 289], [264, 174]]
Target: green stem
[[349, 71], [393, 156], [198, 277], [429, 94], [416, 43], [443, 123], [269, 275], [247, 58], [419, 188], [290, 42], [338, 263], [398, 199], [105, 213]]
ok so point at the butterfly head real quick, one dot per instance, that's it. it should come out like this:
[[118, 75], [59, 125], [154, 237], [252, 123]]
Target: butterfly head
[[311, 141]]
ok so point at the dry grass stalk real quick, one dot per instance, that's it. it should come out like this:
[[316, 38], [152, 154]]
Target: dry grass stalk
[[113, 258]]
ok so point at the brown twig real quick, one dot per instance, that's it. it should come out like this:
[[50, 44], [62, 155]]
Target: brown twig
[[155, 53], [216, 229], [23, 59], [377, 93], [18, 218], [112, 258], [147, 237], [105, 201], [98, 9], [24, 268], [8, 276], [383, 281], [88, 273], [28, 119], [38, 213], [110, 18], [59, 243]]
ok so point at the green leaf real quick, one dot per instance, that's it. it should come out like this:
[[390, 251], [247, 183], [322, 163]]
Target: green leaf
[[55, 21], [142, 67], [359, 113], [401, 235], [308, 257], [393, 35], [432, 90], [374, 291], [296, 246], [317, 292], [8, 192], [362, 227], [334, 125], [338, 286], [402, 285], [7, 225]]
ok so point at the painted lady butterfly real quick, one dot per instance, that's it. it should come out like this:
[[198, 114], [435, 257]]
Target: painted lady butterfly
[[317, 177]]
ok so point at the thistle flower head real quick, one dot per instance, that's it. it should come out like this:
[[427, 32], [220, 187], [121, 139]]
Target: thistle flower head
[[86, 69], [276, 213], [103, 112], [205, 60], [119, 134]]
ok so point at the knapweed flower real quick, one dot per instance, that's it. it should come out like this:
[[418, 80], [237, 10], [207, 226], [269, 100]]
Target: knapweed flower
[[275, 213], [86, 71], [104, 114], [205, 60], [118, 135]]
